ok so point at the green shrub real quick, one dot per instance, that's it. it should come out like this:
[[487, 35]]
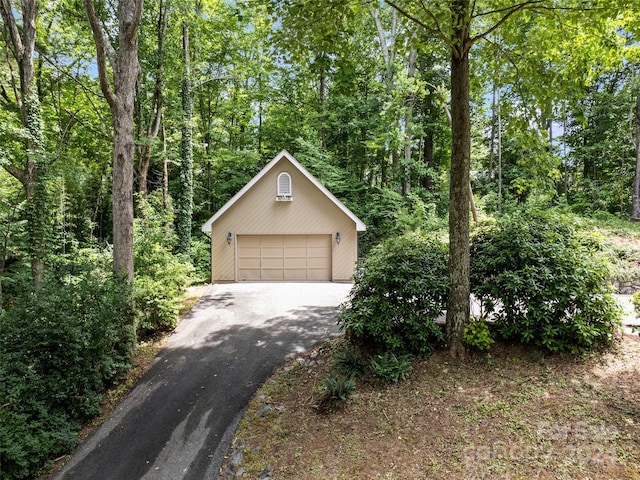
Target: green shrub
[[337, 390], [391, 368], [478, 336], [200, 254], [544, 282], [349, 363], [58, 351], [160, 275], [394, 302]]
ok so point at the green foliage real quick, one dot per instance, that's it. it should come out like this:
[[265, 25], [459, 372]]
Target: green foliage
[[200, 255], [544, 282], [348, 362], [477, 335], [401, 290], [58, 352], [337, 390], [160, 276], [391, 368]]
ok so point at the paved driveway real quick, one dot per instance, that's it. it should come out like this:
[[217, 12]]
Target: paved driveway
[[178, 421]]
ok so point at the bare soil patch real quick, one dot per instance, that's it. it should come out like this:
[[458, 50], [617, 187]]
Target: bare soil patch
[[516, 413]]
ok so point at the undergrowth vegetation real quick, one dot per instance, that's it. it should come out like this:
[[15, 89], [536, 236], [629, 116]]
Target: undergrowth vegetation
[[59, 350], [541, 280], [544, 282], [61, 347], [395, 300], [161, 276]]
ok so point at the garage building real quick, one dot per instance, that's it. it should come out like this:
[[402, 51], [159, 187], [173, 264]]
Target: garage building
[[284, 225]]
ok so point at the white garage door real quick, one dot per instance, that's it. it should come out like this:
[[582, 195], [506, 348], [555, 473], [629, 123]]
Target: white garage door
[[284, 257]]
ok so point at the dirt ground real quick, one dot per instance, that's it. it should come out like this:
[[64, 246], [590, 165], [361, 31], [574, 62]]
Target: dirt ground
[[515, 413]]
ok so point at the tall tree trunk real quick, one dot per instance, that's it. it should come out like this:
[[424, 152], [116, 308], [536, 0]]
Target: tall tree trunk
[[31, 175], [184, 210], [635, 206], [499, 155], [165, 171], [492, 142], [322, 96], [387, 41], [120, 97], [157, 102], [458, 308], [408, 118], [428, 160]]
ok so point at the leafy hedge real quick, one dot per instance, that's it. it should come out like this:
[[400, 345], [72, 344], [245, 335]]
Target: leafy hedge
[[544, 282], [395, 300], [58, 351]]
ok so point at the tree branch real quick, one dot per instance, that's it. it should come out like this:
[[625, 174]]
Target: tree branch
[[18, 173], [509, 12], [383, 44], [510, 8], [6, 10], [104, 51], [435, 31]]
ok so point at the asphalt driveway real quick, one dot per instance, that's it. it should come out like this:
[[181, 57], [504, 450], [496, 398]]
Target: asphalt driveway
[[178, 421]]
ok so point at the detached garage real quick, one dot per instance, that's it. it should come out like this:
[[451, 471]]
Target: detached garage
[[284, 225]]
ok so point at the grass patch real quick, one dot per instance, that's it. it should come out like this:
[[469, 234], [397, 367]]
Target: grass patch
[[517, 413]]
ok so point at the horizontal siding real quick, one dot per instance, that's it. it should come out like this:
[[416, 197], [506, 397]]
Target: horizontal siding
[[258, 213]]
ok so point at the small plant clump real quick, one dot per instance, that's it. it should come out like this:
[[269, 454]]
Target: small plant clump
[[337, 390], [391, 368], [477, 335], [349, 363]]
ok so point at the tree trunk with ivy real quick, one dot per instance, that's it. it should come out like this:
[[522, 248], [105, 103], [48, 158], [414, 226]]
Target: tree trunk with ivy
[[31, 174], [184, 207], [635, 206]]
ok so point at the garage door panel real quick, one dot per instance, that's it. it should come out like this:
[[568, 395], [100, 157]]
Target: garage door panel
[[318, 253], [318, 275], [296, 274], [253, 263], [291, 241], [295, 263], [271, 241], [248, 274], [300, 252], [276, 274], [284, 257], [273, 262], [317, 263]]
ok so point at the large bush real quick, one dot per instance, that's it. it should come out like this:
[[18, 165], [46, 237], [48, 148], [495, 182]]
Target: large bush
[[544, 282], [58, 351], [401, 290]]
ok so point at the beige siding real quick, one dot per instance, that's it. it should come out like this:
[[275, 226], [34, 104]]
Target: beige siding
[[258, 213]]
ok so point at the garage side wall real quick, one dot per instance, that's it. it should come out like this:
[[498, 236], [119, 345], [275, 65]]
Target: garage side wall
[[258, 213]]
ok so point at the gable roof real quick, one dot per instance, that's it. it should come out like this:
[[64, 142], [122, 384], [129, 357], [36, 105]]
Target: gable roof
[[360, 226]]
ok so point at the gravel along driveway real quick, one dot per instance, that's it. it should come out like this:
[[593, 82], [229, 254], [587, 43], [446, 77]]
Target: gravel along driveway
[[178, 421]]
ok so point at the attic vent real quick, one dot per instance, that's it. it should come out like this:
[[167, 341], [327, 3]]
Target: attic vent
[[284, 186]]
